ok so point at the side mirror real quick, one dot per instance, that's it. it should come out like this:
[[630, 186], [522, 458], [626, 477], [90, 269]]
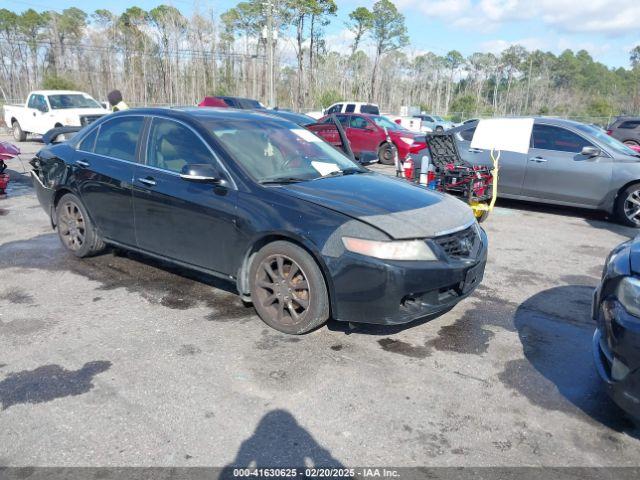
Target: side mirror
[[43, 108], [398, 121], [201, 173], [591, 152]]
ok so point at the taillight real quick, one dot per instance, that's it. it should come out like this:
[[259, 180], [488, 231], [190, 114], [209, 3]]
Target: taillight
[[609, 132]]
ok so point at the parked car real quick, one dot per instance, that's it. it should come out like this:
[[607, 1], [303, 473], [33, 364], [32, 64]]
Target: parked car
[[616, 341], [261, 202], [241, 102], [569, 163], [626, 129], [47, 109], [434, 122], [213, 102], [366, 133]]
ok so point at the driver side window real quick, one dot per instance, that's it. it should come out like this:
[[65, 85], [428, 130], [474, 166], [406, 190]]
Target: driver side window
[[559, 139], [173, 145]]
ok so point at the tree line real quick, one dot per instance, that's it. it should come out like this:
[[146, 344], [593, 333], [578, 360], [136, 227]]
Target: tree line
[[162, 56]]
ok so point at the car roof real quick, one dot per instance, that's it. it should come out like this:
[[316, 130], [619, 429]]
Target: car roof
[[560, 122], [199, 113]]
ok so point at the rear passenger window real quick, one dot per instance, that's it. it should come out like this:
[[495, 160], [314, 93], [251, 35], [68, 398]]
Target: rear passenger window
[[630, 124], [88, 143], [350, 108], [118, 138], [559, 139], [370, 109], [172, 146]]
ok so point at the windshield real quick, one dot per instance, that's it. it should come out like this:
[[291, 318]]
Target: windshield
[[73, 100], [280, 151], [384, 122], [602, 137]]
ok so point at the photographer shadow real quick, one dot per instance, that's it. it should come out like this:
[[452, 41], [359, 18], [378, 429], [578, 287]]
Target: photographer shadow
[[280, 442]]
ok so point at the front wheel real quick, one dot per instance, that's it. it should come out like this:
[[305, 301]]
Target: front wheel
[[287, 288], [439, 129], [18, 134], [631, 143], [387, 153], [75, 229], [628, 206]]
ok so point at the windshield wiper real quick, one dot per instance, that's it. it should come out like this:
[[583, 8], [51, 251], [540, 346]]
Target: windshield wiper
[[268, 181]]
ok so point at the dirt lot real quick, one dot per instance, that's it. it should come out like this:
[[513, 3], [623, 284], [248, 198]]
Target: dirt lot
[[119, 360]]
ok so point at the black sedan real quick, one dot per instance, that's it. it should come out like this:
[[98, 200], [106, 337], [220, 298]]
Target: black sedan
[[616, 342], [303, 231]]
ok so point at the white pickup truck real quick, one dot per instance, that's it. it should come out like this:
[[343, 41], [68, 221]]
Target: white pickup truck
[[47, 109]]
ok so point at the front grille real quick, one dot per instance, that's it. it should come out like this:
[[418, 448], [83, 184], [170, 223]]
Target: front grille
[[462, 244], [87, 119]]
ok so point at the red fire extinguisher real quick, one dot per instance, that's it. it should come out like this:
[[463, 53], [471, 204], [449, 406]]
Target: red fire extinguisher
[[408, 167]]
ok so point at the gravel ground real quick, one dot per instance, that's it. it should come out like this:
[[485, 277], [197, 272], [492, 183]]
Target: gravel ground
[[120, 360]]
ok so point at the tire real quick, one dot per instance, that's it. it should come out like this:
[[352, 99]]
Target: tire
[[75, 229], [386, 153], [632, 143], [439, 129], [282, 301], [18, 134], [628, 206]]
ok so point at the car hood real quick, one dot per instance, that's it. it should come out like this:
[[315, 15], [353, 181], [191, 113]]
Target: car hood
[[398, 208]]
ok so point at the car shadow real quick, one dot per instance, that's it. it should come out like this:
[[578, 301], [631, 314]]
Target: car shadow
[[280, 442], [555, 329], [595, 218]]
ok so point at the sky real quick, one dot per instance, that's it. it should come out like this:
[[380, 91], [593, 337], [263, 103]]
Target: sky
[[608, 29]]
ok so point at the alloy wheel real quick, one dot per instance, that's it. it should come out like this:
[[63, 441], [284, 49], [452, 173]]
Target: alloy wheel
[[632, 207], [283, 289], [72, 226]]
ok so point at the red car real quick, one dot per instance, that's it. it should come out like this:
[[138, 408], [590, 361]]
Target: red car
[[366, 133]]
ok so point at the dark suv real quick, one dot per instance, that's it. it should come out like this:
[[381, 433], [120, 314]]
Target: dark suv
[[626, 129]]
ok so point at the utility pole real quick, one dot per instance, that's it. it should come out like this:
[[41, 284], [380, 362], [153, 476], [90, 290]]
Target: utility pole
[[269, 36]]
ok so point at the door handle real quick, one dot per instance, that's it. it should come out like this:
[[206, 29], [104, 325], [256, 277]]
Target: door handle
[[34, 114], [82, 163], [538, 159], [475, 150], [147, 181]]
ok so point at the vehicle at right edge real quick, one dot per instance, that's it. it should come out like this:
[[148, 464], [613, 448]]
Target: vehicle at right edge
[[568, 163], [616, 341]]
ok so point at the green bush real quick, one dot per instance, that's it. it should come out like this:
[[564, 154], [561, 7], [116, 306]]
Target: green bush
[[54, 82], [328, 97]]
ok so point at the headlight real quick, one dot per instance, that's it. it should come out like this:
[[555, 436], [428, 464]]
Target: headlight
[[407, 140], [402, 250], [628, 293]]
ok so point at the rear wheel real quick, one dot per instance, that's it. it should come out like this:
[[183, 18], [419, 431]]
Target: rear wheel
[[439, 129], [631, 143], [287, 288], [75, 229], [387, 153], [18, 134], [628, 206]]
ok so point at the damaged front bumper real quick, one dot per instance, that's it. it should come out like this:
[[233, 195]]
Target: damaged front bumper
[[369, 290]]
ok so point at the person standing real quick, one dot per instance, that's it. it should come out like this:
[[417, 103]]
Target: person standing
[[116, 102]]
